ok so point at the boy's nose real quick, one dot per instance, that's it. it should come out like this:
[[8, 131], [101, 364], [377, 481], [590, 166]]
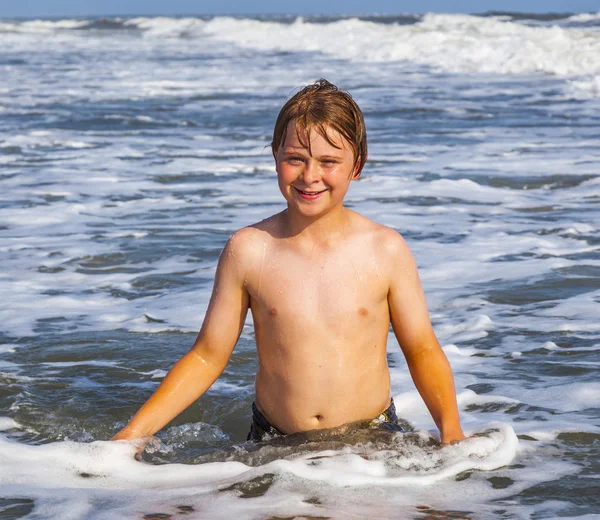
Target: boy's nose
[[310, 173]]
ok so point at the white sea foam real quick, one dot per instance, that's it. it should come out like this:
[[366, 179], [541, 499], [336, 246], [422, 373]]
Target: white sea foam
[[578, 310], [476, 327], [447, 42], [585, 87], [456, 43], [91, 362], [6, 423], [419, 467], [585, 17], [155, 374], [85, 471], [567, 397], [111, 464], [41, 26]]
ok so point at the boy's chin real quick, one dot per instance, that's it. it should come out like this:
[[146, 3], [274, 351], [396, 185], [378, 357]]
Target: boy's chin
[[310, 211]]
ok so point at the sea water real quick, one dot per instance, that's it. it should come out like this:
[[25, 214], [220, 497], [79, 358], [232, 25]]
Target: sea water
[[132, 148]]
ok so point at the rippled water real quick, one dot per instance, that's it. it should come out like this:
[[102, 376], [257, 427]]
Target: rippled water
[[131, 149]]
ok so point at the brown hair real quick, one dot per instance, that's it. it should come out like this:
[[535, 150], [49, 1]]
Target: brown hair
[[322, 105]]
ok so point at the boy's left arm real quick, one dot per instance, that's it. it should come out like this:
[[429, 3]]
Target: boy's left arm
[[428, 365]]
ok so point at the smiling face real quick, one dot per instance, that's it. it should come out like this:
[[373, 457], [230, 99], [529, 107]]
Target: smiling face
[[314, 180]]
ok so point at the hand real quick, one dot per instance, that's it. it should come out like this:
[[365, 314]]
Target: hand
[[452, 437], [135, 439], [140, 445]]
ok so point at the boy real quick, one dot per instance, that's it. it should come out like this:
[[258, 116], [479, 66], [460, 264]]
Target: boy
[[323, 284]]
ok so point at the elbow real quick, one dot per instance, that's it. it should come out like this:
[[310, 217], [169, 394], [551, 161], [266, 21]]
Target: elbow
[[424, 351], [207, 360]]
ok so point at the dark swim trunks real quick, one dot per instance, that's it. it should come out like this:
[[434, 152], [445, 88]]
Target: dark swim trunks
[[261, 429]]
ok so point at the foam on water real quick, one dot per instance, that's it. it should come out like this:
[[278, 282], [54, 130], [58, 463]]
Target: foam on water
[[585, 17], [447, 42], [456, 43], [62, 468], [6, 423]]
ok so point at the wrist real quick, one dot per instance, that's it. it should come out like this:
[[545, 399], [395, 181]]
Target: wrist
[[451, 435], [128, 434]]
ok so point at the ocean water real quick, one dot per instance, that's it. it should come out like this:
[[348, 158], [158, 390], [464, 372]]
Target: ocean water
[[132, 148]]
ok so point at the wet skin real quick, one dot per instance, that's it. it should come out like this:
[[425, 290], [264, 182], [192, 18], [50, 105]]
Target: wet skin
[[323, 284]]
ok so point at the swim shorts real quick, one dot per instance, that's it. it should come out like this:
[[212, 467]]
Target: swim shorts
[[261, 429]]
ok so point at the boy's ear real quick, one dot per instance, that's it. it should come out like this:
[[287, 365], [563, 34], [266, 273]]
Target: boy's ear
[[356, 173]]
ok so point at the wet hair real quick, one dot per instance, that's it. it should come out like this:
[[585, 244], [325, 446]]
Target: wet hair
[[319, 106]]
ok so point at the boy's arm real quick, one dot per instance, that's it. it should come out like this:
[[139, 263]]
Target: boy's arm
[[197, 370], [426, 360]]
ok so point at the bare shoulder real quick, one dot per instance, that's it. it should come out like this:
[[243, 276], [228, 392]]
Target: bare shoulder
[[247, 246], [393, 244], [385, 242]]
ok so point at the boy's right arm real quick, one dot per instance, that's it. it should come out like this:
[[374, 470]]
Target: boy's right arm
[[197, 370]]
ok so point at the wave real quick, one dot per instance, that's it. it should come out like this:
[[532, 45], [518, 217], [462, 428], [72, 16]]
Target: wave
[[79, 473], [456, 43], [585, 17], [452, 43]]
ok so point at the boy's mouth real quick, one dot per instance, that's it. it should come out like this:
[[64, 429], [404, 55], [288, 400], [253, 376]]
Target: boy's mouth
[[308, 194]]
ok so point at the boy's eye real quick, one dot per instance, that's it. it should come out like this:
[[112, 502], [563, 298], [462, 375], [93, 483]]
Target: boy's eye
[[295, 159], [329, 163]]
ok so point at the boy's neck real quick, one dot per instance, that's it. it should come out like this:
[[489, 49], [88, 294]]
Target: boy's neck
[[320, 229]]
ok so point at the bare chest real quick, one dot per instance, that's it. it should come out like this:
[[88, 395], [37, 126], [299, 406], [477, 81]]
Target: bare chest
[[327, 288]]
